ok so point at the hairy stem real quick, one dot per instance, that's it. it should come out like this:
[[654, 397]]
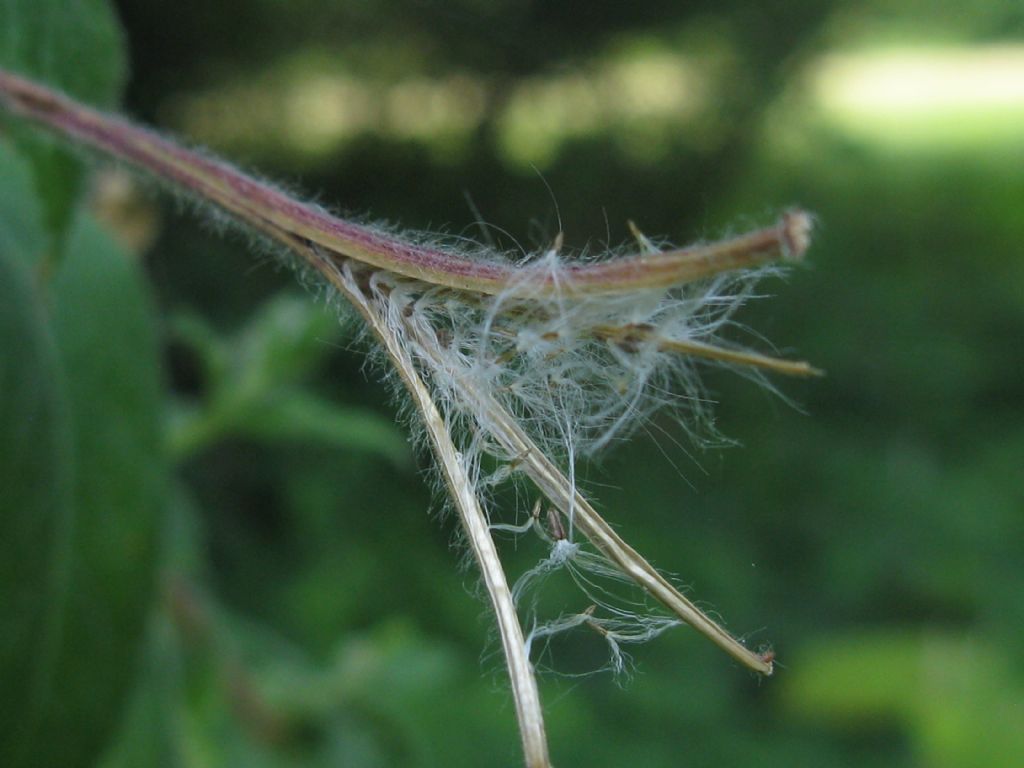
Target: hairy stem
[[255, 201]]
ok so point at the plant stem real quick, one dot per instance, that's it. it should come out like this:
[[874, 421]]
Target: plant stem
[[632, 333], [254, 201], [475, 524]]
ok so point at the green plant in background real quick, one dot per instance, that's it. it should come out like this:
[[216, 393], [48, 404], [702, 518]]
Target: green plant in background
[[256, 623], [84, 475]]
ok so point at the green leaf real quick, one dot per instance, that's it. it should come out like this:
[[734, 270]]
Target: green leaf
[[862, 677], [154, 728], [151, 733], [251, 378], [35, 466], [285, 339], [298, 415], [104, 330], [956, 695], [76, 47], [21, 221]]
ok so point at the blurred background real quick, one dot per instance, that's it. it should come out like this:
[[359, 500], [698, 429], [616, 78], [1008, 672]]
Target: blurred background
[[314, 611]]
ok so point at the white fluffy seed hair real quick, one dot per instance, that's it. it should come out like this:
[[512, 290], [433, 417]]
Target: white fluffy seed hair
[[577, 372]]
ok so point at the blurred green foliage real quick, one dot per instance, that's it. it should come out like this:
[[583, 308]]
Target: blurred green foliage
[[215, 549], [78, 48]]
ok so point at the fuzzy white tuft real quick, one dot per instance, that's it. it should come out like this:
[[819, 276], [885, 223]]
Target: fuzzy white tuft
[[576, 372]]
